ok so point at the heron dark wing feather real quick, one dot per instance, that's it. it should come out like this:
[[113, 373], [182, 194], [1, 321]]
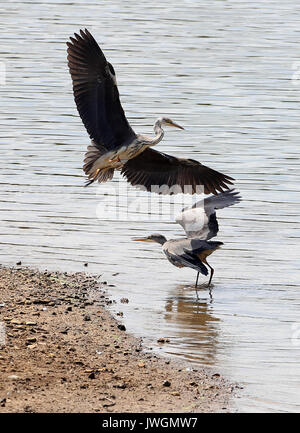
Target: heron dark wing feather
[[212, 226], [156, 168], [96, 93], [187, 260], [197, 246]]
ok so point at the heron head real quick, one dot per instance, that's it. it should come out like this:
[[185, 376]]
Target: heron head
[[156, 237], [169, 122]]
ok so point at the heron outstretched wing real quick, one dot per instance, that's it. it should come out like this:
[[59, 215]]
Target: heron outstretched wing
[[156, 169], [200, 220], [96, 93]]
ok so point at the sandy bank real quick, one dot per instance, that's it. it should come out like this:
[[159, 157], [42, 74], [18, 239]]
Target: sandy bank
[[64, 352]]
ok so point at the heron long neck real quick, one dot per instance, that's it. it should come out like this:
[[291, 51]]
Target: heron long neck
[[159, 133]]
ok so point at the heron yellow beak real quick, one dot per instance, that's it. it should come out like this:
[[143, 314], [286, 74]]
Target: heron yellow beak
[[175, 125]]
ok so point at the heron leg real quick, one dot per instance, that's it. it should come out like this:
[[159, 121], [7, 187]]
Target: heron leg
[[196, 285], [211, 273]]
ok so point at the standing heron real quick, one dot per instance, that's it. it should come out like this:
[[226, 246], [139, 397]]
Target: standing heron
[[114, 144], [200, 224]]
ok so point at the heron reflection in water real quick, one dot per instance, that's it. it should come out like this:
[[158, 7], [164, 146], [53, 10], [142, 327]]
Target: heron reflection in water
[[200, 225], [114, 144]]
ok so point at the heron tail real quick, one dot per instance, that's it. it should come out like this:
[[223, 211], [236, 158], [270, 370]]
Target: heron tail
[[90, 168], [100, 175]]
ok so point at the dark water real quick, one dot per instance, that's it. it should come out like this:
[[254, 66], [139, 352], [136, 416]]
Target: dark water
[[226, 71]]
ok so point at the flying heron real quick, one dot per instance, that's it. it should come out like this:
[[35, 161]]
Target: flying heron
[[114, 144], [200, 224]]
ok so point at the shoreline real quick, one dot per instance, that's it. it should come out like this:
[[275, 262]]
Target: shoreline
[[65, 352]]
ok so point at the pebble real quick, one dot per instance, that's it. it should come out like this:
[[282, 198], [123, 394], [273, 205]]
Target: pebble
[[163, 340], [13, 377], [166, 383], [122, 327], [120, 385], [30, 340], [31, 346], [16, 322], [108, 404]]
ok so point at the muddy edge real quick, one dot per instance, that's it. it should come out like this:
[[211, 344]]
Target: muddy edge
[[62, 351]]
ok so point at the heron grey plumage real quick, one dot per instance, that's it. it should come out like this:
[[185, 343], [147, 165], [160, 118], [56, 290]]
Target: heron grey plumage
[[114, 144], [200, 220], [200, 224]]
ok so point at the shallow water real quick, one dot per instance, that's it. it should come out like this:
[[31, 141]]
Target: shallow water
[[228, 72]]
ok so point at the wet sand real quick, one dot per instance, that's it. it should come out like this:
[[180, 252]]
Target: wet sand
[[64, 352]]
